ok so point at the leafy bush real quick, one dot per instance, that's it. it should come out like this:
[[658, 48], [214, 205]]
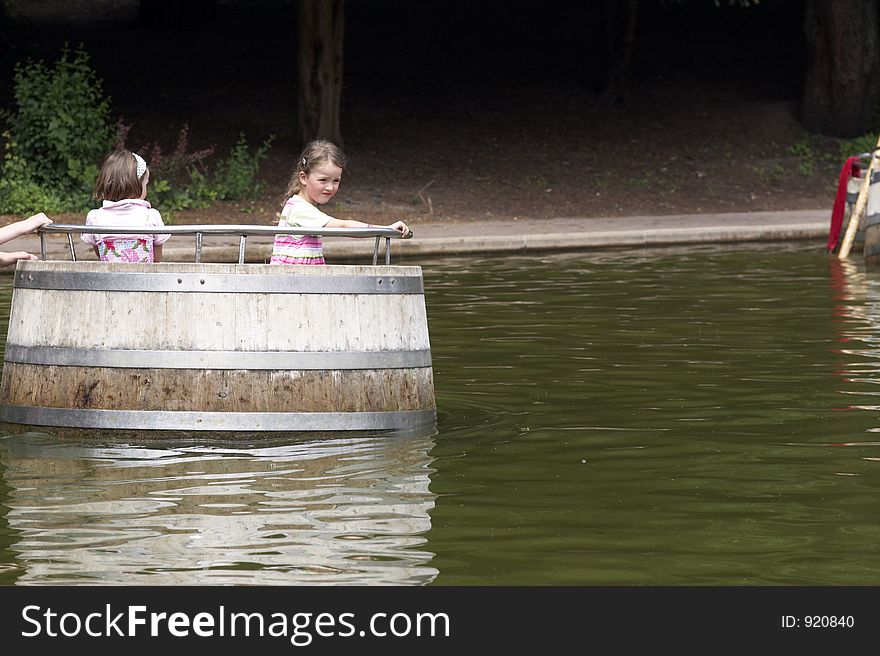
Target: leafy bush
[[181, 180], [59, 132], [171, 174], [19, 193], [804, 152], [849, 147], [235, 177]]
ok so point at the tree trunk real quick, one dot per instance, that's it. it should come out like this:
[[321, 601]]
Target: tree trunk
[[320, 32], [843, 77], [620, 31]]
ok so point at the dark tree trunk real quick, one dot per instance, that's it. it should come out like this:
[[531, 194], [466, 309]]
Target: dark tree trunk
[[841, 85], [620, 30], [320, 36]]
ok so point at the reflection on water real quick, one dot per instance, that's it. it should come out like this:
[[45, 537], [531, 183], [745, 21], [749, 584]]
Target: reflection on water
[[857, 292], [352, 510]]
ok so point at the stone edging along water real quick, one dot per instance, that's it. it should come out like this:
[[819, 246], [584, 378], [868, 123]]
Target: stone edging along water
[[532, 243]]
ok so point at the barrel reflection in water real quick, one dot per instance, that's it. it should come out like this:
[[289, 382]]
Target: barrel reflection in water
[[329, 511]]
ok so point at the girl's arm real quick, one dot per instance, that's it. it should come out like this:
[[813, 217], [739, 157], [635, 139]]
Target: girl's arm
[[400, 226], [11, 258], [23, 227], [155, 221]]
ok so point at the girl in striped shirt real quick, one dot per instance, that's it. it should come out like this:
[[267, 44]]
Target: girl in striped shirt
[[314, 183]]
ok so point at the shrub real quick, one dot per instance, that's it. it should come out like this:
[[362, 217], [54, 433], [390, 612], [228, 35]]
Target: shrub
[[181, 180], [19, 193], [61, 130], [57, 136], [804, 152], [171, 175], [849, 147], [235, 176]]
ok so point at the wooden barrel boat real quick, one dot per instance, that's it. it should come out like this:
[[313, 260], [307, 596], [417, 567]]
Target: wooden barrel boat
[[217, 347]]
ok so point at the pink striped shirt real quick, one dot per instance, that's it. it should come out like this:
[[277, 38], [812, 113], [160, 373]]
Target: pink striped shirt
[[299, 249]]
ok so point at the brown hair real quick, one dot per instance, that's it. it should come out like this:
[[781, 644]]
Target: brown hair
[[314, 154], [118, 178]]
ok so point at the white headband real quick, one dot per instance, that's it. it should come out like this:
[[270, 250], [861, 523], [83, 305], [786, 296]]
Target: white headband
[[141, 165]]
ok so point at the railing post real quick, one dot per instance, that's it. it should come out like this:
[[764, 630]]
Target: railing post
[[198, 247], [387, 250], [241, 243], [72, 249], [43, 246]]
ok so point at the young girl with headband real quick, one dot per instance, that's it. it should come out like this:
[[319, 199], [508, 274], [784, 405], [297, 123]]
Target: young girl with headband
[[122, 186], [315, 182]]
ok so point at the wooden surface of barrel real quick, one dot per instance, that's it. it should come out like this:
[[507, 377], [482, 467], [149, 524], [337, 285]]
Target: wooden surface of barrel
[[217, 347]]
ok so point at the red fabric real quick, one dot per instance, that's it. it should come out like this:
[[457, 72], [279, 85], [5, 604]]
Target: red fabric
[[850, 169]]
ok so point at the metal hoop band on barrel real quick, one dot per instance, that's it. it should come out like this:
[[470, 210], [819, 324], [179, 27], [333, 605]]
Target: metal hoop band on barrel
[[252, 360], [214, 283], [216, 421]]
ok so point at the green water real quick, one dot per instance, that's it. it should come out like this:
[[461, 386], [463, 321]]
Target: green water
[[693, 416]]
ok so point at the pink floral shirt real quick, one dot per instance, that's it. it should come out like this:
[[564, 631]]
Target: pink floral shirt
[[128, 213]]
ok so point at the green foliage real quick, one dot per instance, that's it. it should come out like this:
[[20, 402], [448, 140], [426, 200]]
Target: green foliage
[[59, 132], [774, 175], [201, 190], [172, 186], [849, 147], [235, 177], [181, 180], [806, 155], [19, 193]]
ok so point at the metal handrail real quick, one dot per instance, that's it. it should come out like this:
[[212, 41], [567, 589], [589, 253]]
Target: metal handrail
[[242, 231]]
